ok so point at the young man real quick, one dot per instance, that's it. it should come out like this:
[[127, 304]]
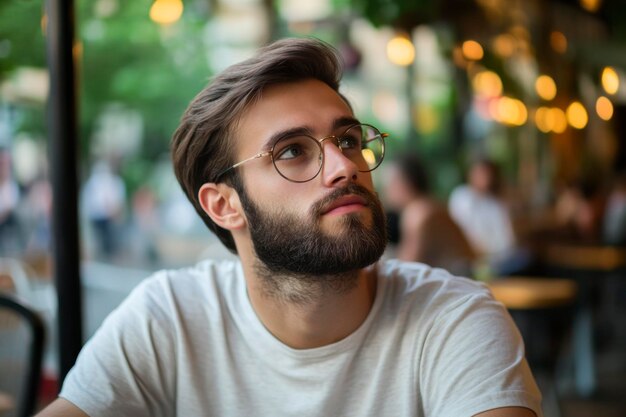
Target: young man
[[308, 323]]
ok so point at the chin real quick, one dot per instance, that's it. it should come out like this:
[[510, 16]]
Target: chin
[[355, 219]]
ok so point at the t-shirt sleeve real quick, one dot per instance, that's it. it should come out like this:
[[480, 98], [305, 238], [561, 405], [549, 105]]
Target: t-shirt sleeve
[[122, 370], [473, 361]]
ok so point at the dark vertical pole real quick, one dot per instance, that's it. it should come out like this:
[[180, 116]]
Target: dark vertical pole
[[63, 144]]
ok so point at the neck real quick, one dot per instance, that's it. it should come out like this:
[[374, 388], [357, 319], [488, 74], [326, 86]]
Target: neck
[[311, 311]]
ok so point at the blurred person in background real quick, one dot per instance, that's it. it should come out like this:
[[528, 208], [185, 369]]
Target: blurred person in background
[[579, 211], [481, 212], [38, 209], [308, 321], [614, 218], [144, 224], [10, 231], [104, 200], [427, 233]]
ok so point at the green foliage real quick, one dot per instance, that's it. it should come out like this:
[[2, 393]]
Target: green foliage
[[131, 60], [402, 14], [21, 39], [126, 59]]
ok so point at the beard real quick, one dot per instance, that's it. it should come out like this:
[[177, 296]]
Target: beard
[[293, 252]]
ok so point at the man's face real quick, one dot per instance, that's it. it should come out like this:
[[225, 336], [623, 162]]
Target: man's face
[[329, 225]]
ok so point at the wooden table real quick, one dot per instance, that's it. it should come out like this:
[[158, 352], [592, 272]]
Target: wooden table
[[584, 257], [525, 293]]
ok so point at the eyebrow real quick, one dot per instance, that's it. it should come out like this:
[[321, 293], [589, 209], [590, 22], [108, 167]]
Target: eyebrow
[[345, 121]]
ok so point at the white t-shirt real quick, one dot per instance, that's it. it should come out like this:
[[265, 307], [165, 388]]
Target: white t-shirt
[[188, 343]]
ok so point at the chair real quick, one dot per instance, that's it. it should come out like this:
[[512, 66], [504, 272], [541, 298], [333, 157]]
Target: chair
[[594, 268], [21, 351]]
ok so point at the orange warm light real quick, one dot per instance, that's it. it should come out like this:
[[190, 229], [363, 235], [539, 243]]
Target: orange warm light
[[472, 50], [166, 12], [545, 87], [558, 41], [550, 119], [604, 108], [487, 84], [509, 111], [590, 5], [610, 80], [576, 115], [401, 51], [504, 45]]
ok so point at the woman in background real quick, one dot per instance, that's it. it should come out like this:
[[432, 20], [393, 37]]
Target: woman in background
[[427, 233]]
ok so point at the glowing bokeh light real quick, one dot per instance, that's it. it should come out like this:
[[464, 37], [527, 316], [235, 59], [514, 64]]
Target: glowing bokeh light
[[550, 119], [545, 87], [541, 119], [166, 12], [487, 84], [504, 45], [509, 111], [401, 51], [604, 108], [472, 50], [576, 115], [610, 80], [590, 5], [558, 41], [557, 119]]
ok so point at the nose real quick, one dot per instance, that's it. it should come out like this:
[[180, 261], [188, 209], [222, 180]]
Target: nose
[[338, 169]]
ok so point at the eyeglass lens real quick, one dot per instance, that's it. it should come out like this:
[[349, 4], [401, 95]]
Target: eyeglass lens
[[299, 158]]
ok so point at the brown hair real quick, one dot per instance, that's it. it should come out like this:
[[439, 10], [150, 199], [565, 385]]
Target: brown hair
[[201, 148]]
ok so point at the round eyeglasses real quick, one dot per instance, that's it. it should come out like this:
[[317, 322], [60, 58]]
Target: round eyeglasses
[[300, 158]]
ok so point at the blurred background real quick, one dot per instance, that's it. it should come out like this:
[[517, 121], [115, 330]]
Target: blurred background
[[535, 89]]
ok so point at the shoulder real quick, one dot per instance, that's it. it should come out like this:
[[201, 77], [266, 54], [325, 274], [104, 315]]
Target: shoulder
[[461, 335], [173, 292], [428, 288], [460, 197], [461, 191]]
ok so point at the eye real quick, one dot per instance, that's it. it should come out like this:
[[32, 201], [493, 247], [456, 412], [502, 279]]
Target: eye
[[289, 151], [349, 142], [297, 148]]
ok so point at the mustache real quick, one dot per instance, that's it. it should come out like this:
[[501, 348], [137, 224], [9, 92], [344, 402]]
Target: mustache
[[351, 189]]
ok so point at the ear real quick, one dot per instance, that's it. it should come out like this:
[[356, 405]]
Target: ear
[[221, 203]]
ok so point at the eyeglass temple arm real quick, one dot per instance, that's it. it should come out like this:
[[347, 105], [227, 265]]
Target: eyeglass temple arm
[[382, 135], [259, 155]]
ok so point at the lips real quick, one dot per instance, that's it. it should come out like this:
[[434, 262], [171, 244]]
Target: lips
[[345, 202]]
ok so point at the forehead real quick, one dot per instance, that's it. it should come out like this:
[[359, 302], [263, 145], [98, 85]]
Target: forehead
[[309, 104]]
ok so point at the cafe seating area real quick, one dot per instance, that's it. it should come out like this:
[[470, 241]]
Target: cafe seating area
[[572, 321], [512, 115]]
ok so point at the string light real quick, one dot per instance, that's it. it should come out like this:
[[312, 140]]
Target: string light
[[401, 51], [610, 80], [166, 12], [590, 5], [550, 119], [545, 87], [604, 108], [504, 45], [509, 111], [487, 84], [472, 50], [557, 119], [558, 41], [577, 115]]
